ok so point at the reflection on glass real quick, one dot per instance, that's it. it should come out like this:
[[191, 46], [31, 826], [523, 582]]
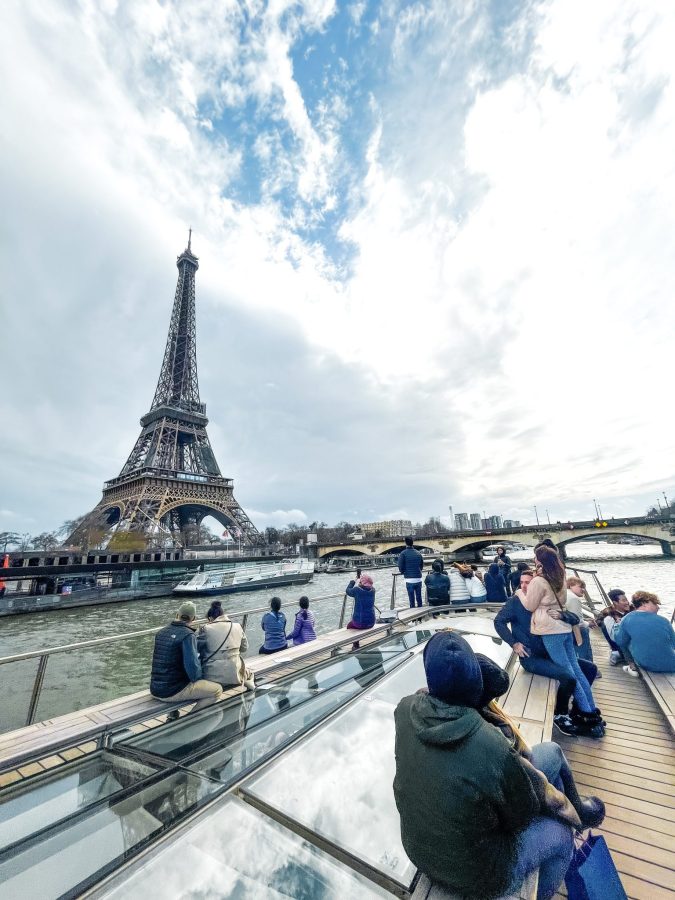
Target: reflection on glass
[[237, 852], [353, 753], [70, 855], [42, 801], [352, 756], [248, 749], [213, 727]]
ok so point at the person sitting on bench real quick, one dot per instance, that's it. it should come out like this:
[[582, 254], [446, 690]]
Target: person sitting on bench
[[647, 636], [176, 669], [512, 624], [608, 620], [470, 816]]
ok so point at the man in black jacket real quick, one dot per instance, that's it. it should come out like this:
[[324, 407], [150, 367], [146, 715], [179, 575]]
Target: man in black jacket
[[176, 669], [410, 565]]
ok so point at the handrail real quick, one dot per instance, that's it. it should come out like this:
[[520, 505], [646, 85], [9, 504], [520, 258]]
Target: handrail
[[44, 655], [64, 648]]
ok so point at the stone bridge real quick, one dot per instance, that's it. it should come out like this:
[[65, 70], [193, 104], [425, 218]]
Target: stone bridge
[[660, 529]]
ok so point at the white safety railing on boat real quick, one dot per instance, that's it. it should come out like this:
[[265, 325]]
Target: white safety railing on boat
[[43, 656]]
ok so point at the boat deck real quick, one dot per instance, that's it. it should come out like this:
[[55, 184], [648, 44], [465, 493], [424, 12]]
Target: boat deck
[[633, 770]]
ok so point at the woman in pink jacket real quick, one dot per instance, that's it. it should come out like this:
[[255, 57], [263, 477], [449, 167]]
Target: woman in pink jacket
[[545, 599]]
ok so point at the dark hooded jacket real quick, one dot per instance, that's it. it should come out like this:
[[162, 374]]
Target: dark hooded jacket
[[461, 790]]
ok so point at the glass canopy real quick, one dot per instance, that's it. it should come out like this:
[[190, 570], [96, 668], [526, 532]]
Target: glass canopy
[[317, 750], [235, 851]]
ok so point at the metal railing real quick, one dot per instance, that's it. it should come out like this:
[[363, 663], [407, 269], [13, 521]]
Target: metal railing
[[44, 655]]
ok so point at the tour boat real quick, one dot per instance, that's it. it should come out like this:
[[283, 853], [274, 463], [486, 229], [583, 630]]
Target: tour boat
[[246, 577]]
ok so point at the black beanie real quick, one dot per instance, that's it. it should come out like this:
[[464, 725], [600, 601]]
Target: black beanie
[[495, 680], [452, 670]]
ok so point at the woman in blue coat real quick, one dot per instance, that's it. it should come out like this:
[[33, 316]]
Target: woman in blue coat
[[363, 593]]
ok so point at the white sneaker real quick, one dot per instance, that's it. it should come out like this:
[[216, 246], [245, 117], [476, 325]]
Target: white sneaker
[[633, 672]]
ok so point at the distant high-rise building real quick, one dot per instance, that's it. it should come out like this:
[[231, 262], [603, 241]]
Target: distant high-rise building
[[451, 523], [462, 522], [495, 521], [474, 521]]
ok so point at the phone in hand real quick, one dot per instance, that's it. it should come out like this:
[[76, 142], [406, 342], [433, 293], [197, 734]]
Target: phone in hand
[[358, 573]]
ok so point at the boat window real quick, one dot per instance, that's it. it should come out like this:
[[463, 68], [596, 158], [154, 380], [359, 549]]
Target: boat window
[[213, 727], [42, 801], [71, 855], [236, 851]]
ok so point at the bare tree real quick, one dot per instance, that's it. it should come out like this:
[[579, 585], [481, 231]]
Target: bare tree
[[45, 541], [8, 538]]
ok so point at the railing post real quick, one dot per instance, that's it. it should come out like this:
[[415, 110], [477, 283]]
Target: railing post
[[393, 590], [342, 613], [244, 621], [601, 589], [37, 689]]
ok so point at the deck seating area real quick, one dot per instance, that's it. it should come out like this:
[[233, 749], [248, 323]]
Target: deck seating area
[[633, 769]]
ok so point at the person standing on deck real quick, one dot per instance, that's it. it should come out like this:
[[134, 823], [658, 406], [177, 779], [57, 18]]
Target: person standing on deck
[[410, 565], [512, 624], [470, 816], [647, 636], [545, 599], [176, 670], [504, 563]]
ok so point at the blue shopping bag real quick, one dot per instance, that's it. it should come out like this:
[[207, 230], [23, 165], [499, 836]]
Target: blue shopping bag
[[592, 874]]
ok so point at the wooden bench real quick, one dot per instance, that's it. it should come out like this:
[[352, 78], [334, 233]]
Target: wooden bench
[[661, 685]]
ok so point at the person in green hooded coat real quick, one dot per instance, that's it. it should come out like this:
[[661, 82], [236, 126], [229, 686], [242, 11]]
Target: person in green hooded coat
[[470, 816]]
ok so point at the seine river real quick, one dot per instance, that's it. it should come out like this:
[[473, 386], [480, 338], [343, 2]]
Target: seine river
[[78, 679]]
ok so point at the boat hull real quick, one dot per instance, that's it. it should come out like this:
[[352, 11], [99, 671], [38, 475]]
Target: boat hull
[[261, 584]]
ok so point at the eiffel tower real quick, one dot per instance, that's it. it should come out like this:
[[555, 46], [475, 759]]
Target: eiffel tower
[[171, 479]]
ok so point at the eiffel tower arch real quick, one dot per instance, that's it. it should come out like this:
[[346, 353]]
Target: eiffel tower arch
[[171, 479]]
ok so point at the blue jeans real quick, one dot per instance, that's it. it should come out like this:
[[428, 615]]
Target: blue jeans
[[560, 647], [550, 759], [414, 593], [584, 651], [546, 845]]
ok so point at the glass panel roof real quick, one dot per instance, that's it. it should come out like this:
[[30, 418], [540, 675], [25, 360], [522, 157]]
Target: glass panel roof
[[66, 858], [43, 801], [338, 782], [237, 852], [345, 770], [252, 747], [213, 727]]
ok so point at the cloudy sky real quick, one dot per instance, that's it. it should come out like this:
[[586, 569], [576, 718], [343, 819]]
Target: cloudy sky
[[436, 242]]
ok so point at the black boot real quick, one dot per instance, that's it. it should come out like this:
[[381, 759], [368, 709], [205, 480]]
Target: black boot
[[589, 724], [576, 712], [591, 811]]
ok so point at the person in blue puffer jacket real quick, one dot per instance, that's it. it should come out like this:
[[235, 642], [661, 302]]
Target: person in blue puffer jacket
[[303, 630], [274, 625]]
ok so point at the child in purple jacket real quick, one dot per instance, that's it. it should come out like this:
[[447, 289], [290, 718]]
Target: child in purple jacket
[[305, 621]]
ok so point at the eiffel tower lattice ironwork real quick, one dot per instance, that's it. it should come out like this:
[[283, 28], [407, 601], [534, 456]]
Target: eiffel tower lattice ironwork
[[171, 480]]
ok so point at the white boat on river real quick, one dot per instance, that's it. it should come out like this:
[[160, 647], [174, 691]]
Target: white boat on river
[[247, 577]]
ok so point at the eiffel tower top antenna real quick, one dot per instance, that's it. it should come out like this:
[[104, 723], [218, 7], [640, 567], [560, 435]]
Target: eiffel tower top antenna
[[190, 241]]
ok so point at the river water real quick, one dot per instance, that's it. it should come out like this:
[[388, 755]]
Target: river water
[[78, 679]]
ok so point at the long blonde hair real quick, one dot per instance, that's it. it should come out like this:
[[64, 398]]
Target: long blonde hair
[[519, 742]]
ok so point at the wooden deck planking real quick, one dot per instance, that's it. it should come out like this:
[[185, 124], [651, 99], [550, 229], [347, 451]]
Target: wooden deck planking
[[633, 770]]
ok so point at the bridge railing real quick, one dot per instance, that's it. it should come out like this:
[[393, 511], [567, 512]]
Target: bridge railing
[[43, 656]]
